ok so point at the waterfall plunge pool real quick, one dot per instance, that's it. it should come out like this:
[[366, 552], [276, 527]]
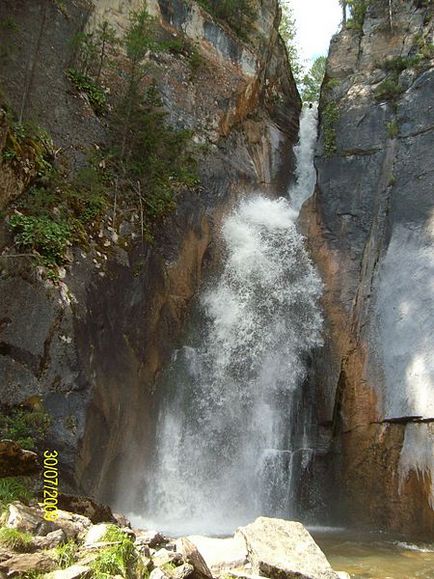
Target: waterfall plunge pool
[[375, 555]]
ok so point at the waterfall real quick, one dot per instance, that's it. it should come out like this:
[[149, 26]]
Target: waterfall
[[232, 440]]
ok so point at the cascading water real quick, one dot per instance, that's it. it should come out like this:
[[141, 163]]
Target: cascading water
[[231, 441]]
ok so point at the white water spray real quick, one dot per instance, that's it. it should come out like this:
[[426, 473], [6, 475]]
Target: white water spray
[[229, 446]]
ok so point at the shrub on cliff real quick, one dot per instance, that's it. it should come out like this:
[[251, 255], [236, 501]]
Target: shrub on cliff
[[239, 14]]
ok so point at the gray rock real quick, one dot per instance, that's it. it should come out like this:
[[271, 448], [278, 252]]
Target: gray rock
[[18, 565], [51, 540], [284, 549], [221, 555], [192, 556], [158, 574], [95, 534], [183, 571], [28, 519], [73, 572]]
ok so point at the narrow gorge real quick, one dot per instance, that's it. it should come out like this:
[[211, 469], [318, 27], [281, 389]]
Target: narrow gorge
[[217, 302]]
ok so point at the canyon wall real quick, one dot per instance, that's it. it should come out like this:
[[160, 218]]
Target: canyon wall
[[371, 230], [91, 344]]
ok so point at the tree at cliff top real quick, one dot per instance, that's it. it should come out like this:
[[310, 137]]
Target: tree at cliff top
[[288, 31], [313, 79]]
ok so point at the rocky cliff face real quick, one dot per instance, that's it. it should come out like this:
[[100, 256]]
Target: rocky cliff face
[[370, 226], [92, 344]]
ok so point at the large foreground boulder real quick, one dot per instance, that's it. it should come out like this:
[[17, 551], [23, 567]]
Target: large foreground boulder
[[222, 555], [284, 550]]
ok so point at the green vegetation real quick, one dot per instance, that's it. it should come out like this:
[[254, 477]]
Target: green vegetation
[[114, 534], [392, 129], [238, 14], [16, 540], [400, 63], [313, 79], [147, 160], [389, 89], [95, 93], [358, 10], [13, 489], [42, 235], [330, 115], [26, 141], [66, 554], [26, 427], [288, 32], [120, 559]]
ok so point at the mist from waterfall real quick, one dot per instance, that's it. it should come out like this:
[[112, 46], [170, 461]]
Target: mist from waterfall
[[232, 440]]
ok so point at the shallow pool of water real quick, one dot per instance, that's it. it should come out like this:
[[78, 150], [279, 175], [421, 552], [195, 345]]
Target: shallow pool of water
[[375, 556]]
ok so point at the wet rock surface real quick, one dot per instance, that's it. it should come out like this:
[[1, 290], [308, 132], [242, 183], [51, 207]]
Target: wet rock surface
[[370, 230], [77, 343]]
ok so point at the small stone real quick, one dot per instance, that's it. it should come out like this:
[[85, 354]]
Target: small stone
[[51, 540], [163, 556], [183, 571], [151, 538]]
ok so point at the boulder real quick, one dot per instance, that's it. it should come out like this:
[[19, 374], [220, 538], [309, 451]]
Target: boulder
[[28, 519], [95, 534], [73, 572], [183, 571], [15, 461], [18, 565], [51, 540], [151, 538], [72, 524], [192, 556], [221, 554], [163, 556], [96, 512], [281, 549]]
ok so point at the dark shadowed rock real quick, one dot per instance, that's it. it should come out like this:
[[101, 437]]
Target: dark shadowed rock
[[15, 461], [96, 512]]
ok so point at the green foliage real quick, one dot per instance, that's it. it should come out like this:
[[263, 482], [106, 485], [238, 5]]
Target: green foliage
[[121, 559], [53, 216], [13, 489], [26, 427], [330, 115], [66, 554], [155, 155], [238, 14], [400, 63], [195, 60], [16, 540], [358, 12], [45, 236], [114, 534], [392, 129], [95, 93], [28, 142], [288, 32], [313, 79], [389, 89]]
